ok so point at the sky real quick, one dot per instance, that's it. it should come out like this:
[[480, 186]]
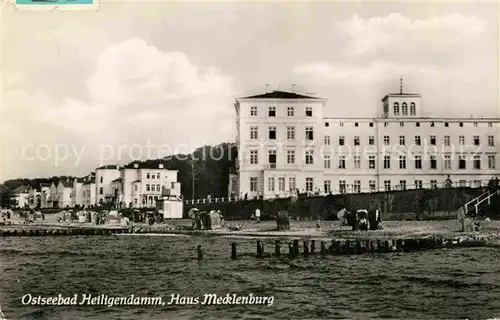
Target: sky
[[138, 80]]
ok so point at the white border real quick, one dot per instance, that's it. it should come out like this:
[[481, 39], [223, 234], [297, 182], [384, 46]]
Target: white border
[[47, 7]]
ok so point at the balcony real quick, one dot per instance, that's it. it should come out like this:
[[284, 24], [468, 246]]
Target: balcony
[[276, 166]]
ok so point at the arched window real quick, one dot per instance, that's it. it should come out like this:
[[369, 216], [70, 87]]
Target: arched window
[[404, 109], [396, 109], [413, 109]]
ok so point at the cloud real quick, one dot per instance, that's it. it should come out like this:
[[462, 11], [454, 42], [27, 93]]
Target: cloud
[[138, 94]]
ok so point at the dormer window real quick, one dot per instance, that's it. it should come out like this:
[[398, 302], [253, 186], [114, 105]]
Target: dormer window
[[309, 112], [413, 109], [272, 111], [404, 109], [396, 109]]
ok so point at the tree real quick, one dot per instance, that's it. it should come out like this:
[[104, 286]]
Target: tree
[[6, 197]]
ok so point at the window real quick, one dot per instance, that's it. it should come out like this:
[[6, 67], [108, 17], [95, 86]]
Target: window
[[475, 124], [290, 156], [433, 162], [446, 124], [272, 111], [402, 184], [461, 140], [418, 184], [462, 183], [477, 162], [401, 124], [327, 140], [491, 141], [357, 186], [270, 184], [309, 133], [434, 184], [490, 124], [158, 187], [341, 140], [135, 187], [254, 133], [387, 185], [417, 124], [371, 140], [357, 162], [253, 184], [291, 184], [253, 111], [432, 124], [447, 162], [356, 140], [402, 162], [401, 140], [309, 157], [290, 111], [386, 124], [404, 109], [327, 124], [342, 186], [418, 162], [158, 175], [461, 162], [102, 178], [447, 140], [418, 141], [148, 188], [309, 112], [413, 109], [371, 124], [342, 162], [461, 124], [356, 124], [327, 186], [387, 140], [476, 140], [309, 184], [371, 162], [327, 162], [290, 133], [387, 162], [433, 140], [372, 186], [272, 133], [341, 124], [254, 157], [271, 154], [101, 190], [491, 162], [396, 109]]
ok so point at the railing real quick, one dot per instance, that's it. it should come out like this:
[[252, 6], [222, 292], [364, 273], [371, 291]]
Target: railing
[[478, 200], [349, 189], [488, 198]]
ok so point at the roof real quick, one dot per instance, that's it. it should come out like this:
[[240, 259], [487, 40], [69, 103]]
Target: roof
[[89, 181], [45, 184], [80, 180], [146, 165], [108, 167], [66, 184], [280, 95], [117, 180], [400, 95], [22, 189]]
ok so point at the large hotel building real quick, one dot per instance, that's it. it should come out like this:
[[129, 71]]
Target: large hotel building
[[285, 144]]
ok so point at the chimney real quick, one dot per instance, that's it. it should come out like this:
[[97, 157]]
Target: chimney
[[136, 165], [160, 165]]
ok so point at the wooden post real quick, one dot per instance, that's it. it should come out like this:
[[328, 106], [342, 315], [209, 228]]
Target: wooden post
[[368, 246], [277, 247], [380, 246], [296, 249], [399, 244], [313, 247], [291, 250], [331, 250], [323, 248], [259, 249], [200, 252], [306, 248], [359, 247], [233, 250], [347, 247], [387, 246]]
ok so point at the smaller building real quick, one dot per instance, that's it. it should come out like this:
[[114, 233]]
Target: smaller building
[[89, 192], [64, 192], [77, 192], [44, 194], [22, 195]]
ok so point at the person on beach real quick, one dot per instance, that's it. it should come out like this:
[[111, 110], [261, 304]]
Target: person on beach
[[257, 215]]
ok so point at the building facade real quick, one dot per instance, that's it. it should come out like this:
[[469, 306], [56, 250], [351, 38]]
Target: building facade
[[285, 145], [103, 177]]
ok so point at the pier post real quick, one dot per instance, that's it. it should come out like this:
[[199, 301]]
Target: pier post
[[347, 247], [313, 246], [399, 244], [359, 247], [260, 249], [306, 248], [277, 247], [323, 248], [200, 252], [296, 249], [233, 250], [291, 250], [387, 246]]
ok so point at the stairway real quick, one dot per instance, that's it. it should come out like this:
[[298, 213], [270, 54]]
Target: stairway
[[478, 204]]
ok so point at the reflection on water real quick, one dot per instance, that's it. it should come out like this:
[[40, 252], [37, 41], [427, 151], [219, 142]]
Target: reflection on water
[[439, 284]]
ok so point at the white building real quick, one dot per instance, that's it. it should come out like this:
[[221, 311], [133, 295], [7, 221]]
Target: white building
[[22, 196], [285, 143], [103, 177], [77, 192], [44, 194], [64, 193], [144, 183], [89, 192]]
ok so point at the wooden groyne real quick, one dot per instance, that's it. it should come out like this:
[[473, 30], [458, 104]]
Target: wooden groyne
[[47, 232], [306, 248]]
